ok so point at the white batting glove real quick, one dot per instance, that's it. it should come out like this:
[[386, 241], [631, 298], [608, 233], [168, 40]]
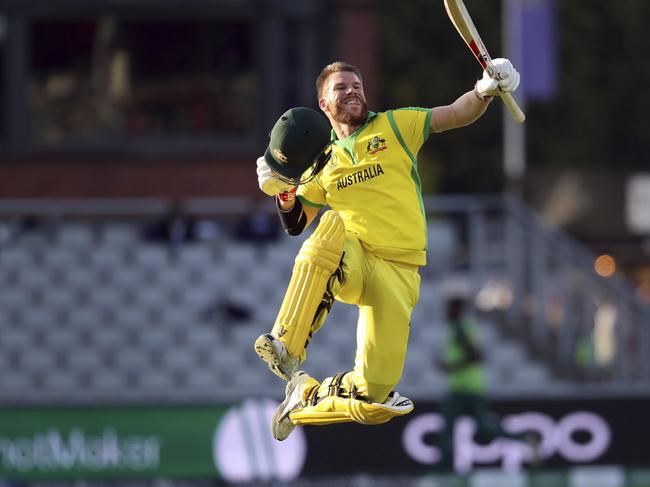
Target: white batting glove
[[506, 79], [268, 181]]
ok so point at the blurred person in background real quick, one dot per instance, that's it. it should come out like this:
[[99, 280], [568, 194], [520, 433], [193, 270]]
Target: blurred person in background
[[175, 228], [258, 228], [365, 251], [466, 385]]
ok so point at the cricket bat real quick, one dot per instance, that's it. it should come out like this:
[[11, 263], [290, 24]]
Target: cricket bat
[[465, 26]]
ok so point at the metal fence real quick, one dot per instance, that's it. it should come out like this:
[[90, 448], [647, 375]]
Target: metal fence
[[536, 280], [542, 284]]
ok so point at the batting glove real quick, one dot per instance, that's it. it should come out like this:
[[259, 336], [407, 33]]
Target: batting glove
[[506, 79], [269, 183]]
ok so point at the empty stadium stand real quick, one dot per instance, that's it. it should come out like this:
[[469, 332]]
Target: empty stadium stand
[[92, 309]]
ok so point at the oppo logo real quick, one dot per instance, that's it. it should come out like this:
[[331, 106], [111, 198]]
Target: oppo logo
[[578, 437], [244, 450]]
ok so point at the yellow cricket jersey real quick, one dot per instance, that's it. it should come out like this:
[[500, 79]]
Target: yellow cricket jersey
[[373, 183]]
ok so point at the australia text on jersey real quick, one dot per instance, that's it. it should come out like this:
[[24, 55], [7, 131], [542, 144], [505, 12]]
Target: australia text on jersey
[[359, 176]]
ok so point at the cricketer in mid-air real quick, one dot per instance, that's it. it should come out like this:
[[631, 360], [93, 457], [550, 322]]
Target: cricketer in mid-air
[[365, 250]]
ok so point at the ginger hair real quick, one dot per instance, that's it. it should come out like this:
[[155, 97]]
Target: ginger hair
[[335, 67]]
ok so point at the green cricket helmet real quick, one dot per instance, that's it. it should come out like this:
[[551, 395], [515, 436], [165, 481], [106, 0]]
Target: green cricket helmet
[[299, 140]]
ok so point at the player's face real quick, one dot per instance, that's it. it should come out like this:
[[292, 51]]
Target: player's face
[[344, 99]]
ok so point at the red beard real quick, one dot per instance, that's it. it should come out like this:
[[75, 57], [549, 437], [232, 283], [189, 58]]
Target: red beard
[[341, 115]]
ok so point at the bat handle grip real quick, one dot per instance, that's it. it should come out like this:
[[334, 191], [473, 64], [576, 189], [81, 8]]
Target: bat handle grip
[[513, 108]]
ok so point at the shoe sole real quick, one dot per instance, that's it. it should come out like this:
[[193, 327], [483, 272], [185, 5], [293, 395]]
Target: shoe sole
[[281, 413], [265, 351]]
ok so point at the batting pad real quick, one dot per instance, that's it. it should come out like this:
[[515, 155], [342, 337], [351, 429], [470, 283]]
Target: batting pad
[[316, 261], [335, 409]]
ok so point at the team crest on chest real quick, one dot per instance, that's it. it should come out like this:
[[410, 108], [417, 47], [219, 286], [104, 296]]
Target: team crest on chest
[[375, 144]]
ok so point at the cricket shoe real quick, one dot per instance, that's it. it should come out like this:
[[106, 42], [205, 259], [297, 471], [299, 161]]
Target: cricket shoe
[[281, 425], [275, 354]]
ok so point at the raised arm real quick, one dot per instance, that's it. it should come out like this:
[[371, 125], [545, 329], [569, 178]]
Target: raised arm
[[470, 106], [465, 110]]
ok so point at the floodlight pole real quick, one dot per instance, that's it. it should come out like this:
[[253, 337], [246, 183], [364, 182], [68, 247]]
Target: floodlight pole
[[514, 134]]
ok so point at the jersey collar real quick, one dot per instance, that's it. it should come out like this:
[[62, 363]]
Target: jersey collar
[[369, 117]]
